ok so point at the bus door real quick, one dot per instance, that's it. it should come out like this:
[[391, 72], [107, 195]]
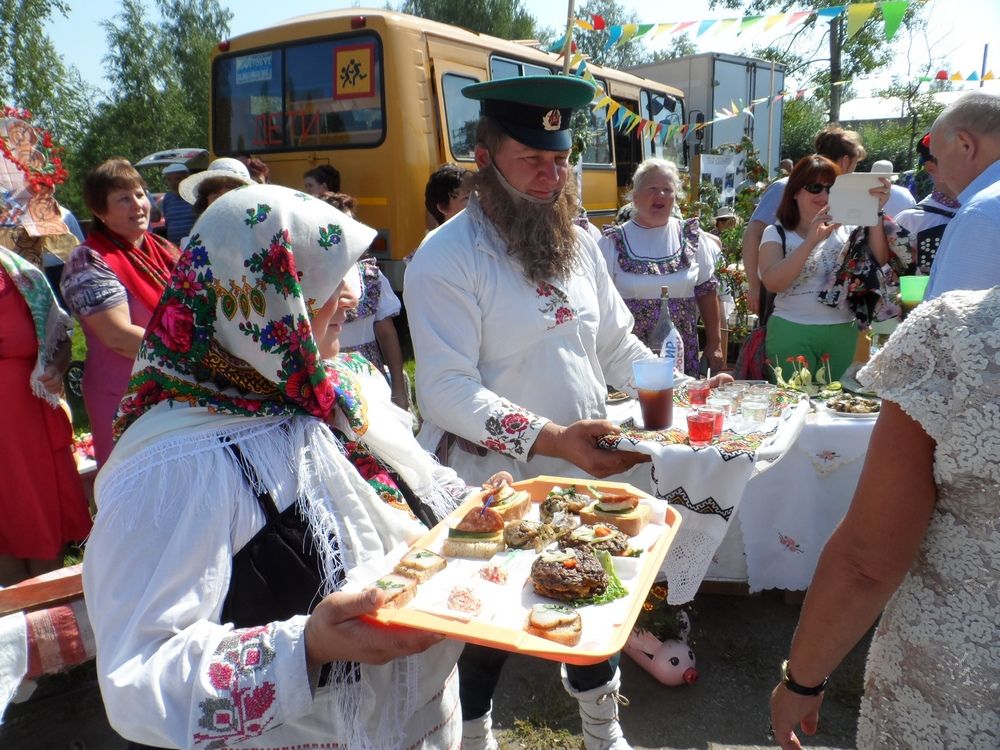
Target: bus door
[[628, 151], [457, 114]]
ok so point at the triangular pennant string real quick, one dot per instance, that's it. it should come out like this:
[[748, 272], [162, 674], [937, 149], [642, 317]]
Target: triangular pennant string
[[684, 25], [892, 14], [705, 26], [749, 21], [584, 24], [663, 28], [598, 22], [834, 11], [613, 35], [857, 14], [800, 16], [644, 28], [774, 20]]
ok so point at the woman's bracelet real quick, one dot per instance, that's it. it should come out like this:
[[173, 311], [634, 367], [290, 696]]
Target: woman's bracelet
[[792, 685]]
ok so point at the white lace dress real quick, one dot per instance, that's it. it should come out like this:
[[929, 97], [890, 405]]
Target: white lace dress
[[933, 678]]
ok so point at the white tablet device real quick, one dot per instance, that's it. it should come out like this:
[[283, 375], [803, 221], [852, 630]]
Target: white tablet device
[[851, 203]]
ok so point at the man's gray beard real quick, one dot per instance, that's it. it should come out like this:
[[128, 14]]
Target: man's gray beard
[[541, 236]]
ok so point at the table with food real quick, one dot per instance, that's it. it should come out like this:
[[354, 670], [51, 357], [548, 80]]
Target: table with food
[[554, 567], [704, 479]]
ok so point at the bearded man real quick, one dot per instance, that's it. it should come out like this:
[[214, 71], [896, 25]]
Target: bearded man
[[518, 330]]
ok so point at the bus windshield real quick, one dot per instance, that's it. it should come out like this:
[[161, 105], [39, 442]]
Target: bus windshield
[[317, 94]]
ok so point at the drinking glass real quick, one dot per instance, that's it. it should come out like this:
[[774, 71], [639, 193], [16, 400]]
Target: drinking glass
[[701, 426], [754, 409], [654, 380], [697, 392]]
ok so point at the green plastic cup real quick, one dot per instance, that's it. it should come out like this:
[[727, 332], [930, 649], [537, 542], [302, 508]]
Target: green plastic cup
[[911, 290]]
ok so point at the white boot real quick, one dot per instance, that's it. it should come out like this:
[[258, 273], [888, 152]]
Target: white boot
[[477, 734], [599, 712]]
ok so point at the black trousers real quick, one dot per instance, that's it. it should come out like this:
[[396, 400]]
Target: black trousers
[[479, 669]]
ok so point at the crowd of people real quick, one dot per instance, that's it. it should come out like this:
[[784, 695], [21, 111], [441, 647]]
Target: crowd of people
[[251, 416]]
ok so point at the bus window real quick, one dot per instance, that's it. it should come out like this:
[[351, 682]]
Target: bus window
[[664, 110], [502, 68], [318, 94], [599, 149], [461, 115]]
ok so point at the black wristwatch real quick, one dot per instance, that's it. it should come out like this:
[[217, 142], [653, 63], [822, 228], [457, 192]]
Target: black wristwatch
[[881, 212], [788, 682]]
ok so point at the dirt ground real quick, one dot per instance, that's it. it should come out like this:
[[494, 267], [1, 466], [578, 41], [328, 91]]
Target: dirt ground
[[739, 642]]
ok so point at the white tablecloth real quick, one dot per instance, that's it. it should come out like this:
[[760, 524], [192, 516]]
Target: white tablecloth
[[705, 484], [788, 512]]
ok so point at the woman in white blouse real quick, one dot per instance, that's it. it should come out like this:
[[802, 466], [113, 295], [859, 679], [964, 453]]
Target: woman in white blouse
[[654, 249]]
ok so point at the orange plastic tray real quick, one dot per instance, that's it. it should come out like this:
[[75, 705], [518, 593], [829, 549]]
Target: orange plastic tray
[[518, 640]]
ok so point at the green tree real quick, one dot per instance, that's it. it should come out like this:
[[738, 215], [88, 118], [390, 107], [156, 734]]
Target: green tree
[[864, 53], [33, 75], [802, 119], [680, 46], [160, 78], [507, 19]]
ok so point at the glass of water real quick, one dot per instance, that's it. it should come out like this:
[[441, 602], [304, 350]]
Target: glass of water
[[754, 408]]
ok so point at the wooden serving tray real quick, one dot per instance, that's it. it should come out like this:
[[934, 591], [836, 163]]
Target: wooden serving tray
[[505, 607]]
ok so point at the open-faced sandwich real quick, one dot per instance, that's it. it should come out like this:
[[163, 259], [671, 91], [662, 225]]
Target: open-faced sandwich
[[561, 501], [420, 564], [556, 623], [525, 534], [399, 590], [511, 504], [478, 535], [600, 536], [621, 510], [568, 574]]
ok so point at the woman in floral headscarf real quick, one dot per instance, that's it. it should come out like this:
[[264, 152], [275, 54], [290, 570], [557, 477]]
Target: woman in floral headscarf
[[249, 480]]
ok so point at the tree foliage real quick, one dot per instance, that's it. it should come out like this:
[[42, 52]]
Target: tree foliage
[[507, 19], [33, 75], [159, 80]]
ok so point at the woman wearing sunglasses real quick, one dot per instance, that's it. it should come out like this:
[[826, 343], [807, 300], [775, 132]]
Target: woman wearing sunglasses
[[799, 257]]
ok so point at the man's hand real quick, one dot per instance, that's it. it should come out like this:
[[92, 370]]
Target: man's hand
[[335, 631], [577, 444]]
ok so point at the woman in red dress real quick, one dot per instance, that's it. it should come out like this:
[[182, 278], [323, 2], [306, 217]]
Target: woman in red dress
[[41, 498]]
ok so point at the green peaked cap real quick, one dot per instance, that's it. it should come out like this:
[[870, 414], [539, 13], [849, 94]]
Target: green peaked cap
[[534, 110]]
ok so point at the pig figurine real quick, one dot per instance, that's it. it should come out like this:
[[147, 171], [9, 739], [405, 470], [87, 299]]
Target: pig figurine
[[671, 662]]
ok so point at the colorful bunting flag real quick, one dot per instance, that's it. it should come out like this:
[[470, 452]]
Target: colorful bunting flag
[[598, 22], [614, 33], [892, 14], [857, 14], [773, 21], [705, 26], [834, 11]]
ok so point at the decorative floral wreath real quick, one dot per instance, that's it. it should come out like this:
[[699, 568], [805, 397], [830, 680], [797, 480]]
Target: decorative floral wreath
[[50, 172]]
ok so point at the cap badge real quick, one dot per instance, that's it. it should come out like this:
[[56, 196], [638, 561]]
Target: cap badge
[[552, 120]]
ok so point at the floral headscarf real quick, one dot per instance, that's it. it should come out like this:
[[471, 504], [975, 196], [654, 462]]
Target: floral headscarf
[[232, 331]]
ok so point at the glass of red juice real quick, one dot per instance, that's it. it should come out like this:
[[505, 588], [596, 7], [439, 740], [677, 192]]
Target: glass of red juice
[[719, 415], [697, 392], [701, 427], [654, 380]]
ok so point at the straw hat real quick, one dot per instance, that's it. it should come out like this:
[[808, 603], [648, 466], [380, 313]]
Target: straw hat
[[224, 167]]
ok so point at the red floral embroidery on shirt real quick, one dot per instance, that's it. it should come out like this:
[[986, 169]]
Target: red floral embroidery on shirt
[[556, 304], [506, 428], [243, 706]]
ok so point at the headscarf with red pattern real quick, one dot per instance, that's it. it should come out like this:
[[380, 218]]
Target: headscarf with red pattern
[[232, 331]]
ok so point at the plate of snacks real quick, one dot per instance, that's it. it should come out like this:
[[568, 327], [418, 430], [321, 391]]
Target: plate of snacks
[[552, 567], [852, 407]]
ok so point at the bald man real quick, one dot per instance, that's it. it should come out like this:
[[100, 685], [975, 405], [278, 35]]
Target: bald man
[[965, 140]]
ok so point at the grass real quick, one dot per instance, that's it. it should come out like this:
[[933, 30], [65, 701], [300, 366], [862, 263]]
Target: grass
[[527, 734]]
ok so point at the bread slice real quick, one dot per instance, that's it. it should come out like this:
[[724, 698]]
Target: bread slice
[[420, 564], [629, 522], [480, 546], [512, 505], [399, 590], [555, 622]]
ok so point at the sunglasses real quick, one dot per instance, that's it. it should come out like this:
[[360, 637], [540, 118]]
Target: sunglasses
[[816, 188]]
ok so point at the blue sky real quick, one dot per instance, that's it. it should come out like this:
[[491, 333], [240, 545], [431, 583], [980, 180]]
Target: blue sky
[[957, 29]]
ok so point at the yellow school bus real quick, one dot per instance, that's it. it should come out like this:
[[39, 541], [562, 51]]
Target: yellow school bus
[[378, 95]]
